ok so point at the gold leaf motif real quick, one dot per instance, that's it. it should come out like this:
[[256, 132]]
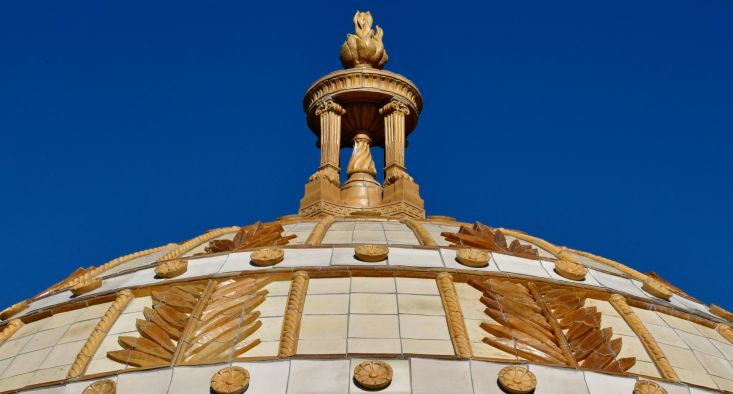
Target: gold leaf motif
[[373, 375], [371, 253], [648, 387], [105, 386], [171, 269], [230, 380], [483, 237], [267, 257], [474, 258], [517, 380]]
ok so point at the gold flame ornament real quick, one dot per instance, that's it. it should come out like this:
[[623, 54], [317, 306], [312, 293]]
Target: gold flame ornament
[[365, 48]]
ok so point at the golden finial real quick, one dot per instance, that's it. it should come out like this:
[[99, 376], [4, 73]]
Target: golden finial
[[365, 48]]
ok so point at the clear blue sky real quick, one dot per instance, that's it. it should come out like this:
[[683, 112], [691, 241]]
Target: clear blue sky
[[604, 126]]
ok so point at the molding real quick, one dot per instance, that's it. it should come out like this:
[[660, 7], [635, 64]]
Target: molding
[[9, 330], [454, 315], [293, 313], [194, 242], [422, 235], [725, 331], [13, 310], [100, 332], [319, 231], [615, 264], [647, 339]]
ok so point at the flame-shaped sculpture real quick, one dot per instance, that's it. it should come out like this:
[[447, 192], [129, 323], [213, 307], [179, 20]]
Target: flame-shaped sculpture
[[365, 49]]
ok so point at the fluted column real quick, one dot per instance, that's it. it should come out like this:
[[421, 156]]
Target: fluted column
[[330, 114], [394, 141]]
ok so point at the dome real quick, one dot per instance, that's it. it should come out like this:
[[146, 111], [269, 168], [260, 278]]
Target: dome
[[363, 291]]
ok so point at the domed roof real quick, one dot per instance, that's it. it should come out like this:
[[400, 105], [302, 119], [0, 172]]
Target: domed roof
[[361, 291]]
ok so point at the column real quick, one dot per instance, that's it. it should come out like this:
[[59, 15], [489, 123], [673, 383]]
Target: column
[[394, 141], [330, 114]]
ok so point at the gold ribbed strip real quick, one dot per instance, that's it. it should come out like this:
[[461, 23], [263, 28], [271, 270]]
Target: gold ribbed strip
[[725, 331], [190, 328], [422, 234], [454, 315], [647, 339], [319, 231], [100, 332], [9, 330], [13, 310], [192, 243], [293, 313], [556, 329]]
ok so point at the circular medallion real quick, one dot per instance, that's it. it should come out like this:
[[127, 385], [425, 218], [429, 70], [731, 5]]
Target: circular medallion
[[517, 380], [657, 289], [570, 270], [105, 386], [371, 253], [474, 258], [230, 380], [171, 269], [267, 256], [648, 387], [86, 286], [373, 375]]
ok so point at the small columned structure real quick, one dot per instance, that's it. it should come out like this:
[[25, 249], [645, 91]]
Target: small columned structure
[[366, 106]]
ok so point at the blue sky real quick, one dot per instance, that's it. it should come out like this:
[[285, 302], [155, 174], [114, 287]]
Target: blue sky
[[601, 126]]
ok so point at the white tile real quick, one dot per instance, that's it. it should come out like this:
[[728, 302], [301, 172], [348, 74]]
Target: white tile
[[608, 384], [319, 377], [368, 226], [519, 265], [194, 380], [265, 377], [204, 266], [572, 381], [149, 382], [616, 283], [239, 262], [342, 226], [449, 259], [337, 237], [401, 238], [414, 257], [484, 377], [440, 376], [306, 258]]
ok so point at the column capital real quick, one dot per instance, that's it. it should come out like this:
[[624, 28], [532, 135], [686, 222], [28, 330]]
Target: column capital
[[394, 106], [329, 106]]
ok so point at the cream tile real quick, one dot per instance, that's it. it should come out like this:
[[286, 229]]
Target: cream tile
[[329, 286], [126, 322], [666, 335], [343, 226], [724, 384], [104, 364], [550, 380], [475, 332], [374, 345], [473, 309], [370, 303], [618, 325], [649, 317], [44, 339], [63, 354], [699, 343], [270, 330], [264, 349], [337, 237], [12, 348], [109, 343], [400, 378], [711, 333], [278, 288], [15, 382], [519, 265], [62, 319], [680, 324], [49, 390], [602, 306], [401, 238], [368, 236], [94, 311], [420, 304], [698, 378], [29, 329], [322, 346], [316, 376], [466, 291], [273, 306], [26, 362], [368, 226], [423, 327], [323, 326], [716, 365], [50, 374], [149, 382], [725, 349], [79, 331], [373, 326], [138, 304], [644, 368], [481, 349], [440, 376], [326, 304], [632, 347], [682, 358], [608, 384], [4, 364], [417, 286], [361, 284]]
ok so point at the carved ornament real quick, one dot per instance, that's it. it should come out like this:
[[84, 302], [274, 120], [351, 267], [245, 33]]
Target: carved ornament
[[230, 380], [267, 257], [570, 270], [86, 286], [483, 237], [13, 310], [657, 289], [365, 48], [648, 387], [517, 380], [371, 253], [9, 330], [373, 375], [454, 315], [474, 258], [106, 386], [252, 236], [293, 314], [171, 268]]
